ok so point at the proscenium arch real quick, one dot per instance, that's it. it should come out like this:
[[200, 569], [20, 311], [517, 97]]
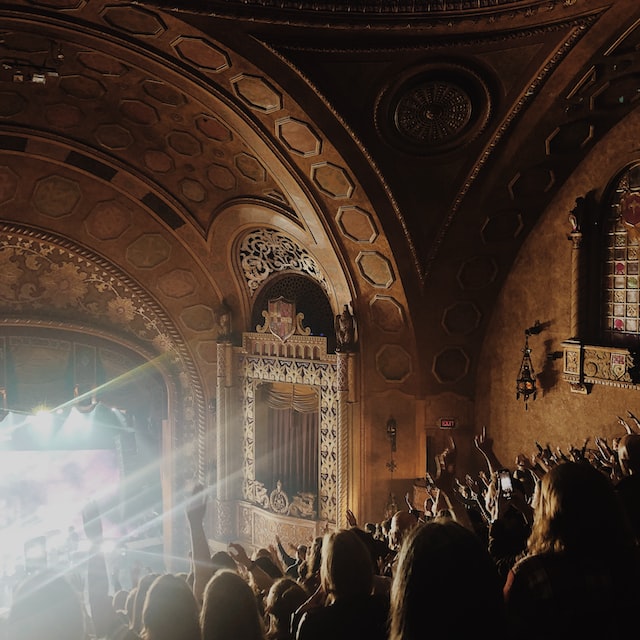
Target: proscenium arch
[[41, 268]]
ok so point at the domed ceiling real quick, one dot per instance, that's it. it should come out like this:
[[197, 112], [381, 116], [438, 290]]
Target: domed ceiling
[[408, 148]]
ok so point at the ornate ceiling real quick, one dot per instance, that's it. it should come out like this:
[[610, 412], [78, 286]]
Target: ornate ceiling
[[401, 152]]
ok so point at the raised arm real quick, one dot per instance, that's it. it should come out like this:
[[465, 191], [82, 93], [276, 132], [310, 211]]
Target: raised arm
[[261, 578], [484, 444], [201, 565], [106, 622], [445, 481]]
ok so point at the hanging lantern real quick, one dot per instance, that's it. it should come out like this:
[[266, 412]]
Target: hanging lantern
[[526, 382]]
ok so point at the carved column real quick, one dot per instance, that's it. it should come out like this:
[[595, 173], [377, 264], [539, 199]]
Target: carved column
[[577, 283], [225, 467], [344, 364]]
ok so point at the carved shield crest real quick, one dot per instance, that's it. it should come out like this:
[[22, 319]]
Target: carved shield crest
[[282, 314]]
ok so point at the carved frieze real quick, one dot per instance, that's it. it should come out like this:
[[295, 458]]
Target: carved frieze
[[612, 366]]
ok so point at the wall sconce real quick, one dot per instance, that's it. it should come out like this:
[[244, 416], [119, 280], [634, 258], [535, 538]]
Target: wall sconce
[[392, 431], [526, 382]]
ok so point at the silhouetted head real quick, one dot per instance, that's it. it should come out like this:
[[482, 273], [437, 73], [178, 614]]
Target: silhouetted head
[[629, 453], [46, 606]]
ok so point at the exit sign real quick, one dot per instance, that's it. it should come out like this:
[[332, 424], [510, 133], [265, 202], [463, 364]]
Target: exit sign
[[447, 423]]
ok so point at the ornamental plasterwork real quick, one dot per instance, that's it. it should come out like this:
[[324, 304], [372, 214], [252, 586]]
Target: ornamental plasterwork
[[614, 367], [266, 251], [322, 375], [42, 274]]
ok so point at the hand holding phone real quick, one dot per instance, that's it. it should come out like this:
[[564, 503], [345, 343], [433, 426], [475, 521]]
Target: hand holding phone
[[506, 484]]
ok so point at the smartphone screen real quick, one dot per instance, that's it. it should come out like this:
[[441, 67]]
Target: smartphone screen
[[506, 486]]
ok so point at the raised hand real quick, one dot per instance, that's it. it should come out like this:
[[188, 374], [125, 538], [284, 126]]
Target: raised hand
[[483, 442], [446, 467], [239, 554], [635, 420], [197, 504], [626, 425]]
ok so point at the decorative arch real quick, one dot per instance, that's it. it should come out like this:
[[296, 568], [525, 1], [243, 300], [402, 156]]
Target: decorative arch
[[50, 282]]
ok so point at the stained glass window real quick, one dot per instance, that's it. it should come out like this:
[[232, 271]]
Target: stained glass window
[[621, 277]]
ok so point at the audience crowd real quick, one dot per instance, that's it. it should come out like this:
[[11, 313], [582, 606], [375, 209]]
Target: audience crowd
[[547, 549]]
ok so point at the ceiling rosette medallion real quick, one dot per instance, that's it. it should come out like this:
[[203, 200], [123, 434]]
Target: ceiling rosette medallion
[[434, 109]]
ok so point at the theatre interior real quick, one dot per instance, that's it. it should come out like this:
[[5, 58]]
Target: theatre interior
[[292, 251]]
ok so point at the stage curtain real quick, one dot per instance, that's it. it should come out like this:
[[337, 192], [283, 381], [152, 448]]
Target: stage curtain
[[289, 438]]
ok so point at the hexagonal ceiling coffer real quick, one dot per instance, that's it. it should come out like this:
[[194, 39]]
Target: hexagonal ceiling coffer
[[250, 167], [387, 313], [356, 224], [332, 180], [393, 363], [63, 115], [82, 87], [56, 196], [461, 318], [376, 269], [108, 220], [11, 104], [100, 63], [476, 273], [502, 226], [531, 182], [257, 93], [158, 161], [213, 128], [163, 93], [198, 318], [177, 283], [133, 20], [139, 112], [184, 143], [221, 177], [8, 184], [148, 251], [450, 365], [570, 137], [202, 54], [192, 190], [60, 4], [298, 137], [113, 136]]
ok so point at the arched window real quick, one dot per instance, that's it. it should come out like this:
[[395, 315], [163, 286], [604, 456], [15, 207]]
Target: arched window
[[621, 262]]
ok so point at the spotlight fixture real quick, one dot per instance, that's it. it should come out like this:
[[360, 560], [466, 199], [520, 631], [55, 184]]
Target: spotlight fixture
[[23, 70], [526, 382]]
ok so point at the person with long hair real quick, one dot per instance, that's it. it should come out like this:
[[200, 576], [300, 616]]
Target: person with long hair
[[170, 610], [446, 585], [581, 569], [230, 609], [46, 606], [344, 606], [285, 596]]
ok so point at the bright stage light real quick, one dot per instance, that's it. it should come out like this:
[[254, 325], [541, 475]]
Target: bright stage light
[[76, 423], [108, 546], [42, 422]]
